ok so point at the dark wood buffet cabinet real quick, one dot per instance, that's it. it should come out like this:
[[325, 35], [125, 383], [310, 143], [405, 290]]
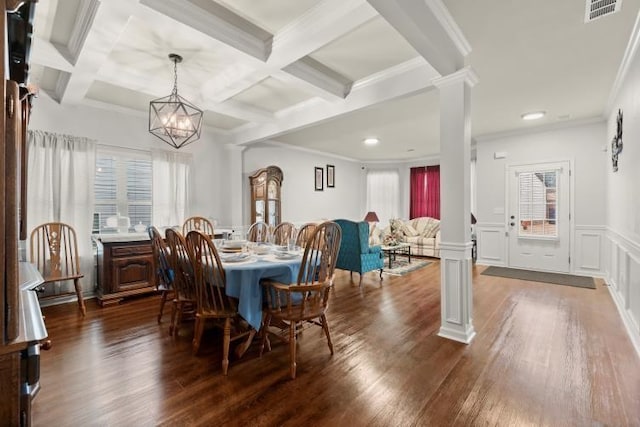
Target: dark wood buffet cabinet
[[125, 268]]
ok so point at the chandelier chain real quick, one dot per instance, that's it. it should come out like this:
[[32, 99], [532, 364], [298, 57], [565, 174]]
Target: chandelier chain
[[175, 78]]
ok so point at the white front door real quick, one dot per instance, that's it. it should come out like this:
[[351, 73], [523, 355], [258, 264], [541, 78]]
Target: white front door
[[539, 217]]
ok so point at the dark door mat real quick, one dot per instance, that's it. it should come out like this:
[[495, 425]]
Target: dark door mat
[[539, 276]]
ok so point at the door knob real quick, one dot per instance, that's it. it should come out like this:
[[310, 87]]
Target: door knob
[[512, 224], [513, 217]]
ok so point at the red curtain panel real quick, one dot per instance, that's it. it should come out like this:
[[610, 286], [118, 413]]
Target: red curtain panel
[[418, 193], [433, 192]]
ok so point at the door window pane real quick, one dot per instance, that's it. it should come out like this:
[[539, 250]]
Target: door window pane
[[538, 204]]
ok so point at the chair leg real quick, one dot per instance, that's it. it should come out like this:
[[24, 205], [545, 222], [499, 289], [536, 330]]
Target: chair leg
[[325, 326], [381, 274], [83, 309], [174, 304], [265, 333], [225, 345], [360, 284], [292, 348], [198, 329], [351, 275], [163, 300], [179, 315]]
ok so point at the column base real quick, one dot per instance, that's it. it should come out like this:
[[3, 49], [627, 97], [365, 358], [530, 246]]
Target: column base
[[464, 337], [456, 292]]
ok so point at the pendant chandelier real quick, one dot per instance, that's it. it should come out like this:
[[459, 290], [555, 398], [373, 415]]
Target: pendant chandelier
[[173, 119]]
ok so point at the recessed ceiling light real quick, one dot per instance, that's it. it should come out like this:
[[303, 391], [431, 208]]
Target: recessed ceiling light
[[534, 115], [371, 141]]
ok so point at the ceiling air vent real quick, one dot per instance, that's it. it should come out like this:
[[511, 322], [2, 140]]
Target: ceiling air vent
[[599, 8]]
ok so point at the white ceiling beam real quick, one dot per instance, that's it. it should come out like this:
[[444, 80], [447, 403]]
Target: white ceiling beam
[[315, 75], [319, 26], [46, 54], [428, 26], [405, 79], [98, 28], [214, 20]]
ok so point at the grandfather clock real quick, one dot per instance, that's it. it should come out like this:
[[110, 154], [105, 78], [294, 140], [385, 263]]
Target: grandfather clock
[[265, 195]]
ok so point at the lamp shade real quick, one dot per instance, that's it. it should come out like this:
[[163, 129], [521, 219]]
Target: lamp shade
[[371, 217]]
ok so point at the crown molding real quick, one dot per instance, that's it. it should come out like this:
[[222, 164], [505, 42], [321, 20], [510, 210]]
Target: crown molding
[[396, 70], [537, 129], [450, 26], [279, 144], [627, 59], [464, 75], [83, 24]]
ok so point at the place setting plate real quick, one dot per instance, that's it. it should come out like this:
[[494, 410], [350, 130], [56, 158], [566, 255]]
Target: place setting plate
[[235, 257]]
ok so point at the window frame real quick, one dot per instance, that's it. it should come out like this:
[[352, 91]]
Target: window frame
[[122, 202]]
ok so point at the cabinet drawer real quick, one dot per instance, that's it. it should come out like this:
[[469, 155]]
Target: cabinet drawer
[[123, 251]]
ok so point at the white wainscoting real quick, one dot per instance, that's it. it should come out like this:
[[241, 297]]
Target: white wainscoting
[[492, 244], [589, 250], [623, 278]]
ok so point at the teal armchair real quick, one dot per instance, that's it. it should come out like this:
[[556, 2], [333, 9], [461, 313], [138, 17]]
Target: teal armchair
[[355, 253]]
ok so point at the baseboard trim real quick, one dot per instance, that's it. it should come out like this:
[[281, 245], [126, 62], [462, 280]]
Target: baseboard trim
[[629, 324]]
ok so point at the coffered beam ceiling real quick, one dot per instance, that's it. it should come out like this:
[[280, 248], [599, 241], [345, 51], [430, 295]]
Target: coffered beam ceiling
[[247, 56], [430, 29], [87, 49]]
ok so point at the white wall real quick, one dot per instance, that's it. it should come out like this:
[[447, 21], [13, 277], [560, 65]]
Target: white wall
[[623, 201], [582, 144], [131, 131], [300, 202]]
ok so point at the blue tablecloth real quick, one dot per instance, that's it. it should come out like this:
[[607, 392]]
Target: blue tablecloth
[[243, 282]]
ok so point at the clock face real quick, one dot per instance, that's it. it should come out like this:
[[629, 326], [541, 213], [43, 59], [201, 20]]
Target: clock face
[[616, 142]]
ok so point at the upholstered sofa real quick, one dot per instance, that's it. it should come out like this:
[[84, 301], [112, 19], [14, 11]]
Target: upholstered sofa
[[423, 234]]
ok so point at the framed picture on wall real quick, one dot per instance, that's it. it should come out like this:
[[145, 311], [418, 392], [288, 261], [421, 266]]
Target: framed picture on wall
[[331, 176], [319, 179]]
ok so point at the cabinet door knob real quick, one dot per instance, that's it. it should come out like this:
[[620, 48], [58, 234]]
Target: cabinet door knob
[[46, 345]]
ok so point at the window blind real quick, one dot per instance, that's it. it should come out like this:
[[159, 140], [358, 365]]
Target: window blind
[[123, 185]]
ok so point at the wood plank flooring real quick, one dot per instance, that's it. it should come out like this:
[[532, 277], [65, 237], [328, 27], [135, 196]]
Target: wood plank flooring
[[543, 355]]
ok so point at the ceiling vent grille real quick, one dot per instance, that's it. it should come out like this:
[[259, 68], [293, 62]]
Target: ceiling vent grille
[[599, 8]]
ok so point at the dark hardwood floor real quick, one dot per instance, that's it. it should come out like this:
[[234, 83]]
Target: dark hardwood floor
[[543, 355]]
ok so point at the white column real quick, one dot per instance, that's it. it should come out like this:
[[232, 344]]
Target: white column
[[235, 181], [455, 226]]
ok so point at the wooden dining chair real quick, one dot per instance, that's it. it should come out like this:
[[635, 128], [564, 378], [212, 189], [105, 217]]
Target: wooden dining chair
[[184, 284], [164, 272], [283, 232], [197, 223], [213, 304], [258, 232], [305, 233], [54, 252], [305, 302]]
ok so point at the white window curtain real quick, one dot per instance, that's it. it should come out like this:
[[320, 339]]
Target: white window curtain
[[171, 175], [383, 194], [61, 171]]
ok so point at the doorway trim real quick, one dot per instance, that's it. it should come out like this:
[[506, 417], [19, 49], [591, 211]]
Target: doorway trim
[[507, 200]]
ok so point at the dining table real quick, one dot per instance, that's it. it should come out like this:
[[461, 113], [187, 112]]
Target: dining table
[[243, 282]]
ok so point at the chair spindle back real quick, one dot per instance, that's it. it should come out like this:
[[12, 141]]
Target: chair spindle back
[[197, 223], [182, 261], [54, 251]]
